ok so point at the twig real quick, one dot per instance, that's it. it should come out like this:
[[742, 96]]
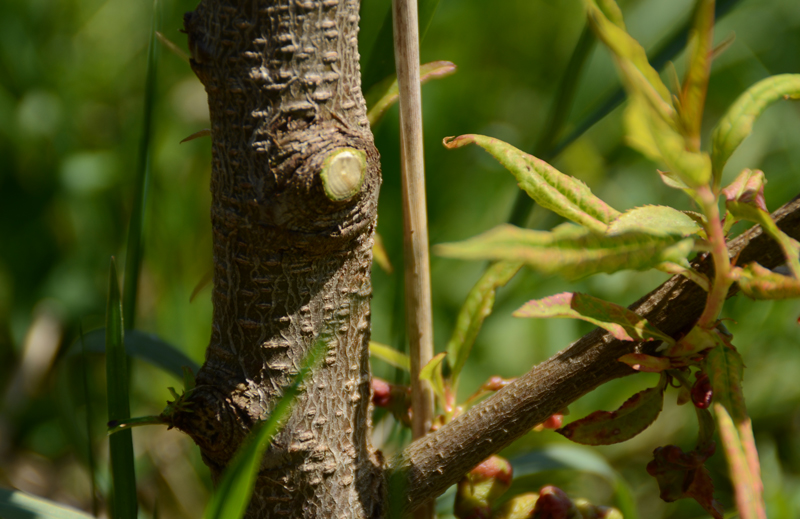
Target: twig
[[415, 226], [427, 467], [419, 322]]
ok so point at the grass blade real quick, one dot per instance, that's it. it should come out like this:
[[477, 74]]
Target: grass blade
[[232, 495], [144, 346], [133, 256], [19, 505], [123, 476]]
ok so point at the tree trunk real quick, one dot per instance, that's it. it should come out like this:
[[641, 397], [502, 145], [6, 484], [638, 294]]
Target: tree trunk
[[292, 253]]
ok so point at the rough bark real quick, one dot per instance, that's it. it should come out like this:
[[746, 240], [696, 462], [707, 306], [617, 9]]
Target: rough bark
[[427, 467], [291, 264]]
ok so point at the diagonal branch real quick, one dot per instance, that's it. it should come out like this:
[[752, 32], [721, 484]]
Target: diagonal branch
[[427, 467]]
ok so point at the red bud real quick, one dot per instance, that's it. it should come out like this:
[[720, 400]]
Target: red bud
[[702, 393]]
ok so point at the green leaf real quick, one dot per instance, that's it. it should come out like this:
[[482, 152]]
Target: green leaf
[[379, 254], [744, 199], [133, 256], [123, 476], [650, 133], [725, 370], [553, 190], [232, 495], [386, 93], [432, 372], [737, 123], [658, 220], [695, 85], [633, 417], [638, 75], [570, 251], [760, 283], [390, 355], [19, 505], [142, 345], [695, 341], [476, 308], [622, 323]]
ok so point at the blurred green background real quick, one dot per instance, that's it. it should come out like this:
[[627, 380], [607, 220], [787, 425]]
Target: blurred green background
[[72, 76]]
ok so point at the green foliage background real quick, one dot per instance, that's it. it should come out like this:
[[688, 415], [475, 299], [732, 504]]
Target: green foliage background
[[71, 100]]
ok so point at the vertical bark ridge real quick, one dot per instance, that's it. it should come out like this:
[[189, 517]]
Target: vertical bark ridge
[[291, 265]]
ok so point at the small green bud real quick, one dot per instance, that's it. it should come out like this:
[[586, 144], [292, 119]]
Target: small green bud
[[343, 173], [518, 507]]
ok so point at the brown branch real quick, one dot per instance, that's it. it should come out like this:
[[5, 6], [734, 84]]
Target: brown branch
[[428, 466]]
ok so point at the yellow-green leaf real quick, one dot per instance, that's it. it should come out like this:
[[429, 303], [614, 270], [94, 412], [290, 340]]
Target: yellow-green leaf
[[432, 372], [571, 251], [693, 93], [476, 308], [737, 123], [760, 283], [386, 93], [551, 189], [658, 220], [622, 323], [389, 355]]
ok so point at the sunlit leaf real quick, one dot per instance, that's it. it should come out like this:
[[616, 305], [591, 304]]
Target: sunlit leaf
[[553, 190], [380, 256], [19, 505], [570, 251], [682, 475], [123, 476], [646, 363], [648, 132], [476, 308], [744, 199], [637, 73], [658, 220], [143, 346], [623, 324], [233, 491], [761, 283], [633, 417], [432, 372], [389, 355], [737, 123], [693, 93], [386, 93]]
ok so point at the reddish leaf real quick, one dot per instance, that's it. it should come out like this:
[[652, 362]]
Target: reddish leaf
[[622, 323], [760, 283], [682, 475], [633, 417]]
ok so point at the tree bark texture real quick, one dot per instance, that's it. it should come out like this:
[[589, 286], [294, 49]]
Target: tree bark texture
[[291, 265]]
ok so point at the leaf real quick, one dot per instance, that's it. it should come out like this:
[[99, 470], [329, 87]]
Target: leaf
[[695, 85], [15, 504], [380, 256], [650, 133], [682, 475], [737, 123], [640, 79], [646, 363], [658, 220], [746, 484], [695, 341], [633, 417], [569, 250], [477, 306], [390, 355], [123, 476], [744, 199], [144, 346], [725, 369], [432, 372], [233, 491], [622, 323], [553, 190], [386, 93], [760, 283]]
